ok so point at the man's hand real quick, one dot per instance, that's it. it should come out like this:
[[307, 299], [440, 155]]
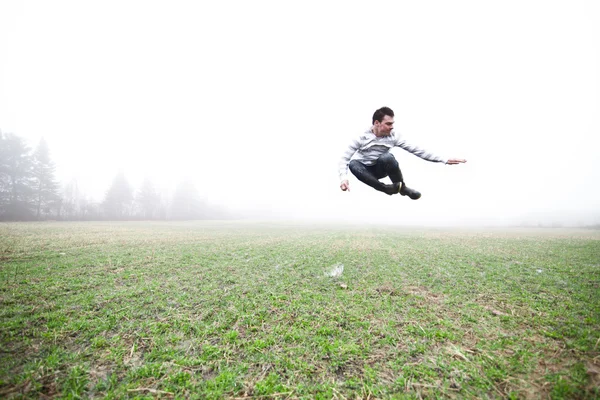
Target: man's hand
[[345, 185], [454, 161]]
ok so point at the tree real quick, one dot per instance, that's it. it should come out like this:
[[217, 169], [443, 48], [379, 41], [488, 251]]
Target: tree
[[148, 200], [16, 175], [90, 210], [70, 197], [73, 201], [118, 201], [4, 175], [186, 204], [45, 185]]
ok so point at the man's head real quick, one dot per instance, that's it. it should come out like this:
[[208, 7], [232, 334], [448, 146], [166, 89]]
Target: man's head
[[383, 121]]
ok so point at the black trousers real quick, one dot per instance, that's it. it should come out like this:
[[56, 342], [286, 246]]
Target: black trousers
[[386, 165]]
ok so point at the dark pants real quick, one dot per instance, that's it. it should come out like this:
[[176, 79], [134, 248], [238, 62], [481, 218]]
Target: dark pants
[[386, 165]]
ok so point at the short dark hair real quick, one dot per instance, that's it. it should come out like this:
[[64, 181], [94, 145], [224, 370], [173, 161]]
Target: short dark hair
[[382, 112]]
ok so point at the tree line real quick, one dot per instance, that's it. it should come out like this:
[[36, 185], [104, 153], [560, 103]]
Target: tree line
[[30, 191]]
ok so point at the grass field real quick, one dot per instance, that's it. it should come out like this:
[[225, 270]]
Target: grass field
[[249, 310]]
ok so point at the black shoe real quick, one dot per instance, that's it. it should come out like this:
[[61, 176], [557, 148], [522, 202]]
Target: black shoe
[[392, 189], [406, 191]]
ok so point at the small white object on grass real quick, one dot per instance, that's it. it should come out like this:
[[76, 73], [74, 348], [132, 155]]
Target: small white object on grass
[[336, 271]]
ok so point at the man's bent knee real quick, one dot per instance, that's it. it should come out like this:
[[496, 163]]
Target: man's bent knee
[[388, 158], [355, 166]]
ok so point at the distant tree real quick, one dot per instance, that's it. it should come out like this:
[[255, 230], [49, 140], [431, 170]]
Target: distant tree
[[90, 210], [119, 198], [148, 200], [4, 175], [70, 195], [45, 186], [75, 205], [16, 193], [186, 204], [73, 201]]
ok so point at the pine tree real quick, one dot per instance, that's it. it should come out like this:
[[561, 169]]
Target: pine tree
[[4, 175], [118, 201], [16, 193], [148, 200], [71, 200], [45, 185], [186, 204]]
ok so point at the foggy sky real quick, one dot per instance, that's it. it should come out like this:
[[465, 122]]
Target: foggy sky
[[256, 101]]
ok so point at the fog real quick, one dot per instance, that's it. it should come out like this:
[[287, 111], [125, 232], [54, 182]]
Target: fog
[[256, 101]]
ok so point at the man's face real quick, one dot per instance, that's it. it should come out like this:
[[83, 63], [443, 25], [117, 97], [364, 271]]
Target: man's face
[[384, 128]]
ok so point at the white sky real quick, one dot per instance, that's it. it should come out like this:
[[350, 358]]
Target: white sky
[[256, 100]]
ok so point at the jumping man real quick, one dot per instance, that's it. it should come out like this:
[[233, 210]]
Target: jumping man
[[368, 157]]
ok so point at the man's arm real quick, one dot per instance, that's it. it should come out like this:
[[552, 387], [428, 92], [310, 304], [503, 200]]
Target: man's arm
[[422, 153], [426, 155], [345, 160]]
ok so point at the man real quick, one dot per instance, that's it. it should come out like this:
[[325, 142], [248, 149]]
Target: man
[[368, 157]]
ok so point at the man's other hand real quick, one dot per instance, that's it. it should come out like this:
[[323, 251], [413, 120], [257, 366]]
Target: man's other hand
[[345, 185], [454, 161]]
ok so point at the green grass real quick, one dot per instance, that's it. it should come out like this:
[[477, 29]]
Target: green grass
[[240, 310]]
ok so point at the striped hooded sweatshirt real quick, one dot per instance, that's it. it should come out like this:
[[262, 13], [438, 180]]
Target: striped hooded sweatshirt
[[367, 148]]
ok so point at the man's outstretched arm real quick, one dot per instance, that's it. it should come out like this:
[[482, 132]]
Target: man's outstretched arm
[[454, 161], [425, 155]]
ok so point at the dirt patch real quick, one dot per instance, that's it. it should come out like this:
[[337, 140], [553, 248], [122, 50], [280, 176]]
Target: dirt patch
[[592, 368], [424, 293], [99, 373], [388, 289]]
